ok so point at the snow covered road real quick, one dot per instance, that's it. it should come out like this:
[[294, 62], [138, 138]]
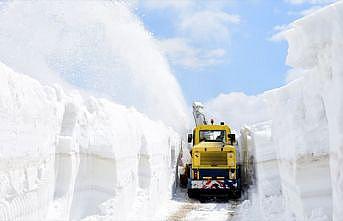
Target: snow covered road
[[68, 154], [188, 209]]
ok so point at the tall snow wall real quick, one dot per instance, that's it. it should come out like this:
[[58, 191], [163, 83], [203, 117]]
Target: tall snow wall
[[265, 201], [307, 117], [66, 157]]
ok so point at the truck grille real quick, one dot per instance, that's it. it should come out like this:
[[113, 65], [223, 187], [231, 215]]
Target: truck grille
[[213, 159]]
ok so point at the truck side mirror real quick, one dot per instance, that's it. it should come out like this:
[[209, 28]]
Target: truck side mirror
[[232, 138], [190, 138]]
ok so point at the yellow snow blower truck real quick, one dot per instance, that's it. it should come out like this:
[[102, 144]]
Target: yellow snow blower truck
[[213, 171]]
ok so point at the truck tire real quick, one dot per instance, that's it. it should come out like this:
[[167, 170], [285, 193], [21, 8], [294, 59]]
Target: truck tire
[[183, 181], [191, 194], [237, 194]]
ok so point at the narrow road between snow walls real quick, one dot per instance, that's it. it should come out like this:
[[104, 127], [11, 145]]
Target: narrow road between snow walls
[[185, 209], [93, 123]]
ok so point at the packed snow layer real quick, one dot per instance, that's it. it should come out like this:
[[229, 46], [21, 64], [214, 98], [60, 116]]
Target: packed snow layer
[[285, 189], [30, 117], [99, 46], [299, 157], [266, 161], [307, 117], [66, 157], [301, 138], [265, 199]]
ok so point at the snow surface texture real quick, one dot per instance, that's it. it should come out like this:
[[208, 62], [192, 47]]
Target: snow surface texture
[[99, 46], [307, 117], [301, 136], [265, 202], [64, 157], [291, 189], [299, 158]]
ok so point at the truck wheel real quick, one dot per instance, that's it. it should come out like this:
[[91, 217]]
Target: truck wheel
[[237, 194], [202, 199], [191, 194], [183, 181]]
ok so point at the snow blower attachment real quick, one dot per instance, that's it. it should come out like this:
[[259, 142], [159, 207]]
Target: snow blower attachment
[[214, 171]]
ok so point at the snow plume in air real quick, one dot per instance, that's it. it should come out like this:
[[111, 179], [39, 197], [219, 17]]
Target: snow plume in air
[[96, 46], [238, 109]]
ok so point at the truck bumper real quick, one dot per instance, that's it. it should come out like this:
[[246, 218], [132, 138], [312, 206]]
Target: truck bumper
[[214, 188], [213, 184]]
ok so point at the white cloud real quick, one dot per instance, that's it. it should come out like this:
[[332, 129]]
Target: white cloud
[[179, 52], [208, 25], [238, 109], [280, 27], [167, 4], [201, 31], [216, 53], [310, 1]]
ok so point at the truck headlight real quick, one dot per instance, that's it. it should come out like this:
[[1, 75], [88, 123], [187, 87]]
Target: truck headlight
[[195, 174], [232, 174]]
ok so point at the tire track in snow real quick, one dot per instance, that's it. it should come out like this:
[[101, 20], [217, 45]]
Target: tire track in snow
[[212, 211], [190, 210], [182, 212]]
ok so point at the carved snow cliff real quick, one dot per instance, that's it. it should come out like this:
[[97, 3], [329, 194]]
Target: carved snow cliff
[[64, 157]]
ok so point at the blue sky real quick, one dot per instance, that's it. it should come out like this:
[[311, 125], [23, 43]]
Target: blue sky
[[223, 46]]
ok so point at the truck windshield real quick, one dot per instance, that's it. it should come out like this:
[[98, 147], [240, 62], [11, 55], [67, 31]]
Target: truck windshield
[[212, 136]]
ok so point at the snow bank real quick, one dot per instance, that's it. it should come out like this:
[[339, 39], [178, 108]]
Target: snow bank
[[265, 197], [65, 157], [30, 117], [99, 46], [267, 169], [299, 159], [307, 117], [301, 136]]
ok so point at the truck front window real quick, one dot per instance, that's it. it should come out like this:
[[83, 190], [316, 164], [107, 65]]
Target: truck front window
[[212, 136]]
